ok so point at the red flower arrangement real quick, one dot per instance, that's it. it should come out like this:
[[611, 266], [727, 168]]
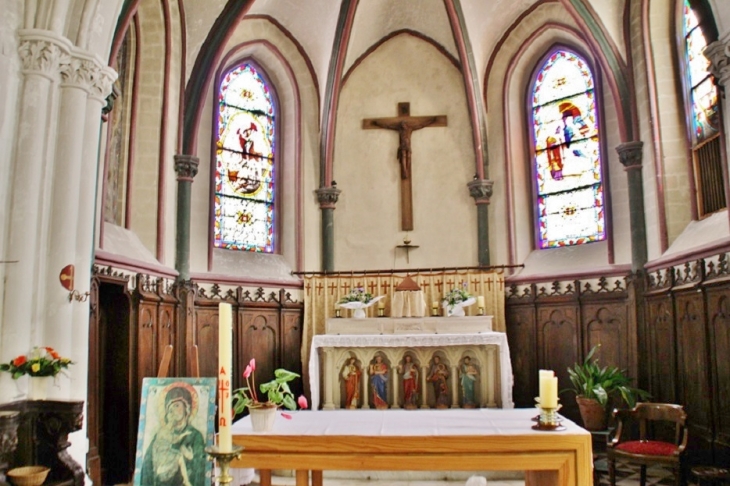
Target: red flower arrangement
[[41, 361]]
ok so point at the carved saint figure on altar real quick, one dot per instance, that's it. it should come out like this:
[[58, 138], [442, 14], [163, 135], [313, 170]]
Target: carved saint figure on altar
[[409, 370], [351, 377], [468, 374], [438, 376], [379, 382]]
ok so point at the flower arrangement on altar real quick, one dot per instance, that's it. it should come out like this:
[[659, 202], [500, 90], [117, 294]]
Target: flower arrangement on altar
[[41, 361], [357, 294], [277, 391], [457, 296]]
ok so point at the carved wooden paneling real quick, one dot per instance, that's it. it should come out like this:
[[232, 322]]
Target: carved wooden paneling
[[146, 351], [694, 385], [606, 323], [292, 345], [206, 337], [718, 315], [166, 331], [258, 337], [660, 345], [523, 352]]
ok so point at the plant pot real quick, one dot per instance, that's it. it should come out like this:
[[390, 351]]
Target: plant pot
[[262, 418], [592, 413]]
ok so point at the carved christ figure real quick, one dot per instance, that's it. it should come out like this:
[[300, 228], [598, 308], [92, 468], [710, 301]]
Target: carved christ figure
[[405, 125]]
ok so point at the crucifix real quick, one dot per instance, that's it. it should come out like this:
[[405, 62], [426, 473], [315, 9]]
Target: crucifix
[[405, 124]]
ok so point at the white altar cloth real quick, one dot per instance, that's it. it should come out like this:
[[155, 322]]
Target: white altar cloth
[[413, 341], [409, 325]]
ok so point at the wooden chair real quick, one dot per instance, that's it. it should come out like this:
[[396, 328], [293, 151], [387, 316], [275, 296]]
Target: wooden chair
[[662, 439]]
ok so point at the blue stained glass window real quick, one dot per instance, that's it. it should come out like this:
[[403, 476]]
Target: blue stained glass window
[[245, 169], [703, 94], [567, 165]]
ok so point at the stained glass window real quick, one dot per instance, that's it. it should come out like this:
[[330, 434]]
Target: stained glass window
[[703, 94], [245, 169], [570, 206]]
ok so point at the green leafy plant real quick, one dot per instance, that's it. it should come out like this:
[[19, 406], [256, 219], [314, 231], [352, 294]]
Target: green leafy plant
[[277, 391], [41, 361], [357, 294], [457, 296], [592, 380]]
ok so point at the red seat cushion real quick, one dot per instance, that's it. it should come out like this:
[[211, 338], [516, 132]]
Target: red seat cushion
[[648, 447]]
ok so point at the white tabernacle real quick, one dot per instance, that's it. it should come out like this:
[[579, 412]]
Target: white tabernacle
[[409, 325], [483, 347]]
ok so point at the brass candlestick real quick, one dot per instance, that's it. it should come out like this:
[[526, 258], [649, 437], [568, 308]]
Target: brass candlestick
[[481, 311], [548, 418], [224, 458]]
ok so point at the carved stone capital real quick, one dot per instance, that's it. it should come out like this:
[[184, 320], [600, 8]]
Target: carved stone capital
[[78, 72], [186, 167], [481, 190], [718, 53], [630, 154], [327, 197], [41, 56]]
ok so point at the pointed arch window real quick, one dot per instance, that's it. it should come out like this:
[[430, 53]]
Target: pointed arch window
[[245, 182], [705, 118], [567, 162]]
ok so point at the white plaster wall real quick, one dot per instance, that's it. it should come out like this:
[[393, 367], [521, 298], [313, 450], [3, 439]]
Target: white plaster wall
[[376, 19], [262, 41], [611, 17], [367, 219], [721, 11]]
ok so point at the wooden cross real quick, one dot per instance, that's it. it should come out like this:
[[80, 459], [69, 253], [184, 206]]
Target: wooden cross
[[372, 286], [332, 286], [319, 288], [405, 124], [385, 286]]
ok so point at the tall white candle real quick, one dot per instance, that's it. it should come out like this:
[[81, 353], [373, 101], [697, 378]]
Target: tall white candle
[[544, 375], [480, 301], [225, 338]]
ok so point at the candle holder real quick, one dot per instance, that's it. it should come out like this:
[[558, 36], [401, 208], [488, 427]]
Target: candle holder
[[381, 312], [548, 418], [224, 458], [338, 313], [434, 311], [481, 311]]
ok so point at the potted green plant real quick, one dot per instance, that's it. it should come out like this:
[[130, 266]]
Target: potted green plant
[[596, 386], [277, 393]]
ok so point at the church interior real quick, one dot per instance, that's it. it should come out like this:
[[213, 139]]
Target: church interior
[[563, 163]]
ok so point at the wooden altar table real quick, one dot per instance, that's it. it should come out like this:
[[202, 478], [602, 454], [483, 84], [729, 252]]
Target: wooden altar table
[[417, 440], [487, 344]]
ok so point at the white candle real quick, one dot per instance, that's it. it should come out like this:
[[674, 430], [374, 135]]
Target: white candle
[[225, 337], [480, 301], [435, 304], [544, 376], [381, 304], [548, 389]]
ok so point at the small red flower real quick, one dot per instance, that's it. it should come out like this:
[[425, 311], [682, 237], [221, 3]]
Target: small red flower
[[247, 371], [54, 354], [252, 364], [286, 415], [19, 360], [302, 401]]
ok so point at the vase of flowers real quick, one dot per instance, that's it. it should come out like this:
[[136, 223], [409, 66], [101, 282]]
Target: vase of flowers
[[358, 300], [42, 364], [277, 394], [455, 301]]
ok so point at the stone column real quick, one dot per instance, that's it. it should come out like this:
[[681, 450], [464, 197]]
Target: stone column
[[328, 379], [365, 387], [481, 191], [396, 388], [327, 197], [630, 155], [490, 370], [718, 53], [31, 177], [78, 74], [424, 390], [455, 386], [186, 167]]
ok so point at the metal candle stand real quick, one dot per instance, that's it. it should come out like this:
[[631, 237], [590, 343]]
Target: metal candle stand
[[224, 458], [548, 418]]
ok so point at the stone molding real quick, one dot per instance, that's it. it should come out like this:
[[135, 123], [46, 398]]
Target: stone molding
[[327, 197], [481, 190], [186, 167], [718, 53], [630, 154]]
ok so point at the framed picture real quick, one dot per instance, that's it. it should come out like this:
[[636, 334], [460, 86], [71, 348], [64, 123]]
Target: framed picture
[[176, 424]]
